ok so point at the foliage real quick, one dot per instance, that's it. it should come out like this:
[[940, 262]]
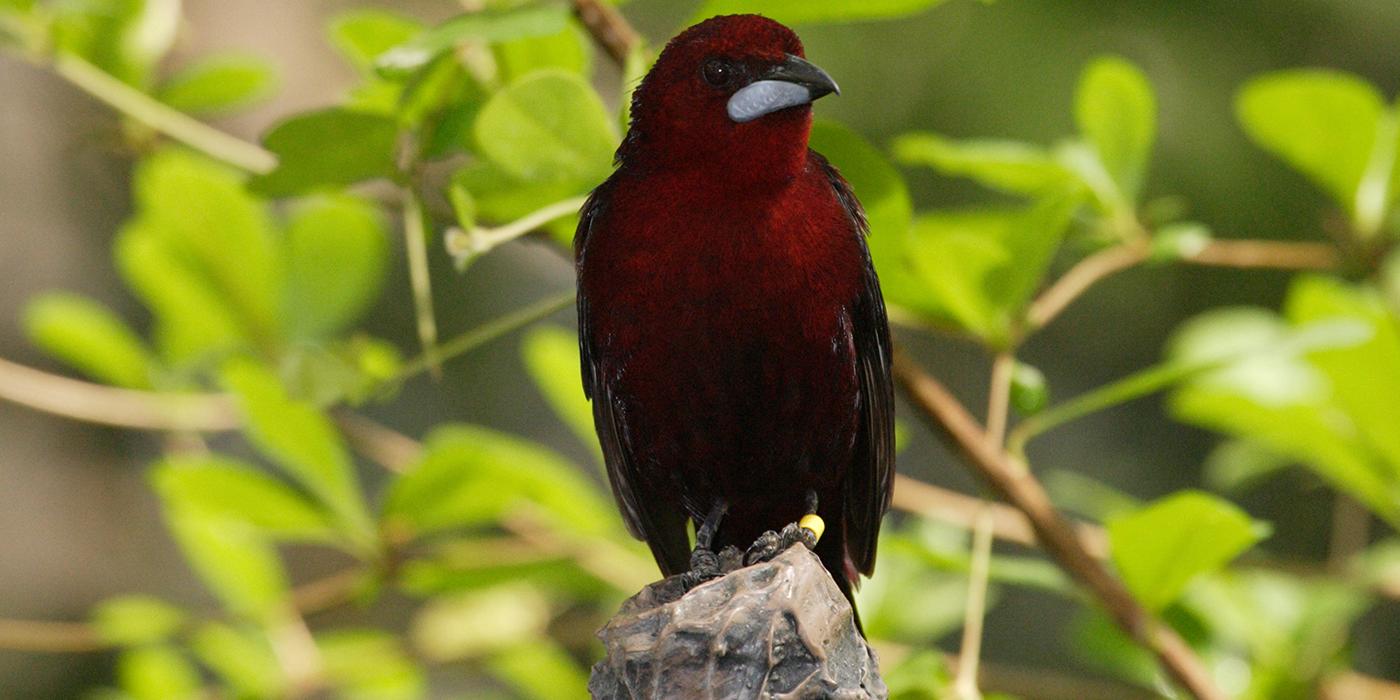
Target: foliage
[[257, 283]]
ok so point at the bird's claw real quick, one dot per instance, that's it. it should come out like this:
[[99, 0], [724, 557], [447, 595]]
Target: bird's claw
[[770, 544], [704, 566]]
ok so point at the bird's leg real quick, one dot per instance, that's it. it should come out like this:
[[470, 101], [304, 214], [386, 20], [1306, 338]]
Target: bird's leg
[[704, 564], [807, 531]]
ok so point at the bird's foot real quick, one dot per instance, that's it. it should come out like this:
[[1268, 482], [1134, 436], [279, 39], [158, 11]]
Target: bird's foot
[[770, 544], [704, 566]]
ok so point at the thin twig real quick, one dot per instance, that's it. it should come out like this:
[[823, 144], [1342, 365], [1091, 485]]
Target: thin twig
[[123, 408], [487, 332], [159, 116], [465, 246], [416, 242], [959, 510], [1270, 255], [608, 27], [42, 637], [1023, 491], [1085, 274]]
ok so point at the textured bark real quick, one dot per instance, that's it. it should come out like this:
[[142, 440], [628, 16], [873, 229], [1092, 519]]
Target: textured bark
[[779, 629]]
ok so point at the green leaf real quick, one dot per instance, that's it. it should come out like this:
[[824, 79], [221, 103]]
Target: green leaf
[[194, 212], [303, 441], [470, 476], [551, 357], [815, 11], [242, 658], [490, 25], [219, 84], [1365, 377], [158, 673], [126, 38], [362, 34], [549, 126], [370, 665], [1322, 123], [1117, 113], [133, 620], [922, 675], [540, 669], [469, 625], [334, 146], [568, 50], [1161, 548], [88, 336], [1237, 465], [232, 490], [235, 562], [337, 251], [1030, 393], [1010, 166]]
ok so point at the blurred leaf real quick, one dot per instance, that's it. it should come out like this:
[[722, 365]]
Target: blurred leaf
[[923, 675], [157, 673], [815, 11], [229, 489], [88, 336], [1010, 166], [194, 212], [220, 83], [1237, 465], [980, 268], [237, 565], [1365, 377], [302, 441], [472, 624], [351, 372], [500, 197], [1088, 496], [549, 126], [1179, 241], [1161, 548], [126, 38], [1323, 123], [907, 600], [470, 565], [242, 658], [1101, 644], [471, 476], [1117, 113], [136, 619], [551, 357], [567, 50], [334, 146], [363, 34], [542, 670], [489, 25], [337, 251], [1030, 393], [370, 665]]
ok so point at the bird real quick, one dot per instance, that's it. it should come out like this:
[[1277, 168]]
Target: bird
[[732, 333]]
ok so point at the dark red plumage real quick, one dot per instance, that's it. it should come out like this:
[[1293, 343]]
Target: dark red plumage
[[732, 330]]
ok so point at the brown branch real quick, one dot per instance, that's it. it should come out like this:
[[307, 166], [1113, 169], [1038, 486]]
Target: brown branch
[[608, 27], [1085, 274], [43, 637], [123, 408], [1057, 536], [1269, 255]]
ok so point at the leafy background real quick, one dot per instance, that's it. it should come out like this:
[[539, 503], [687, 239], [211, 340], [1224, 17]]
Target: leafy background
[[993, 144]]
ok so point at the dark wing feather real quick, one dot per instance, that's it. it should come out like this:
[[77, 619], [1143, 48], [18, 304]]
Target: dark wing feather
[[869, 481], [647, 516]]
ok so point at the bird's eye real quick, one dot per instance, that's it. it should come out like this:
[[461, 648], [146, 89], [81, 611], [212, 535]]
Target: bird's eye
[[717, 72]]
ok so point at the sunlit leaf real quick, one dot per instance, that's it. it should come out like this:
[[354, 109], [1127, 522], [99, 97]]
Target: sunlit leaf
[[335, 146], [337, 252], [472, 624], [1323, 123], [242, 658], [235, 562], [815, 11], [541, 669], [1236, 465], [370, 665], [548, 126], [132, 620], [302, 440], [1161, 548], [551, 357], [157, 673], [1010, 166], [88, 336], [364, 33], [220, 83], [488, 25], [229, 489], [1117, 113], [568, 50]]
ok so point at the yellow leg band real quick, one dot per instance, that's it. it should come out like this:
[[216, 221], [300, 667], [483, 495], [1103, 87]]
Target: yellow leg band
[[813, 523]]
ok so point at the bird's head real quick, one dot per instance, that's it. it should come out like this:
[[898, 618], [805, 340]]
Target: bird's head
[[733, 93]]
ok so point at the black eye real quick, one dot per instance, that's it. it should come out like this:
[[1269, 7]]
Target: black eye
[[717, 72]]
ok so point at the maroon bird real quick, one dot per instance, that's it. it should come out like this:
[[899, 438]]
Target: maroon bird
[[733, 335]]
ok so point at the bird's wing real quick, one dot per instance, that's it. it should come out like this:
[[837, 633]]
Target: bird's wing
[[869, 481], [649, 518]]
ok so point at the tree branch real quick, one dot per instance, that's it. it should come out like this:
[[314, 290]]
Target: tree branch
[[43, 637], [1023, 491], [608, 27], [123, 408]]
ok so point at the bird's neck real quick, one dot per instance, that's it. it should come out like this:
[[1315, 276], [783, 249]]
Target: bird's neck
[[764, 156]]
